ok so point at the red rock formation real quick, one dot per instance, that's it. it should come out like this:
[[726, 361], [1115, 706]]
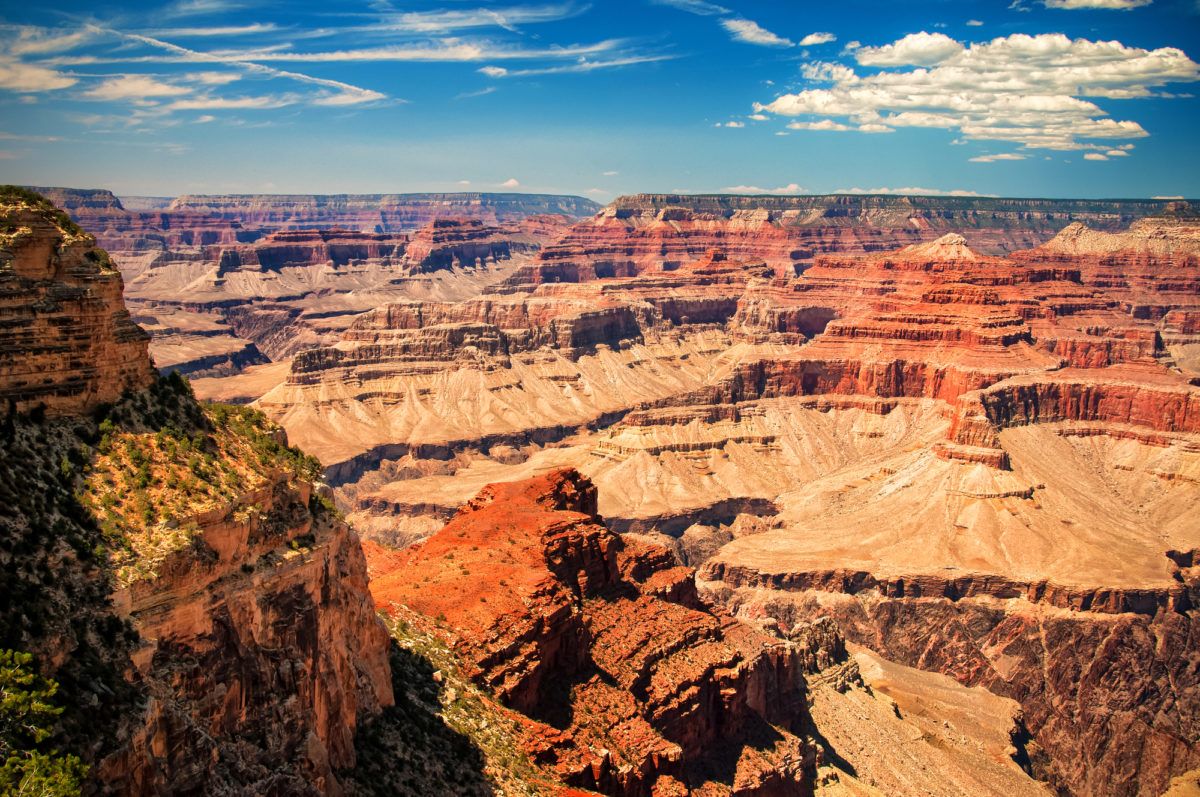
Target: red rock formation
[[258, 650], [630, 684], [66, 341], [260, 653], [655, 232]]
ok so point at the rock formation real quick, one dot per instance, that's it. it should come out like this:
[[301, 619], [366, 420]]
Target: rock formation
[[170, 564], [67, 341], [660, 231], [630, 685], [952, 453]]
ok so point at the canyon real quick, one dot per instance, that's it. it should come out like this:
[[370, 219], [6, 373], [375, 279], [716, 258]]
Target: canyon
[[978, 464], [698, 495]]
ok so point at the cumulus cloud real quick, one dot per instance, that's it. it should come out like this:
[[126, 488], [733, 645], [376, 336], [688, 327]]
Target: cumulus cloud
[[511, 182], [1095, 156], [1033, 90], [915, 49], [1003, 156], [817, 38], [790, 188], [750, 32], [974, 23], [730, 124]]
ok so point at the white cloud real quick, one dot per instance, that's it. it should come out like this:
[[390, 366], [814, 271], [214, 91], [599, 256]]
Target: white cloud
[[974, 23], [699, 7], [730, 124], [132, 87], [40, 41], [1095, 156], [1166, 197], [1003, 156], [446, 21], [233, 103], [875, 127], [464, 182], [212, 78], [597, 192], [824, 124], [511, 182], [611, 174], [1031, 90], [1119, 5], [919, 49], [790, 188], [817, 38], [18, 76], [583, 65], [217, 30], [750, 32], [758, 117], [204, 119], [911, 191]]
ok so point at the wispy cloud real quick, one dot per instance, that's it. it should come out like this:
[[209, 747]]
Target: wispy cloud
[[17, 75], [448, 21], [1003, 156], [128, 87], [698, 7], [583, 65], [912, 191], [813, 39], [790, 188], [466, 95], [216, 30], [750, 32]]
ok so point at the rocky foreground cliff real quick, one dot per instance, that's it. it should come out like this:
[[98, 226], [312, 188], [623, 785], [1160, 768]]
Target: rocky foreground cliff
[[204, 611]]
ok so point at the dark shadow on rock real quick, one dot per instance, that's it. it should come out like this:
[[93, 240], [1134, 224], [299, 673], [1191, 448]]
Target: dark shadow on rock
[[409, 749]]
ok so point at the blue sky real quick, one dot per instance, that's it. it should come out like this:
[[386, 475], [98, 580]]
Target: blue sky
[[1084, 98]]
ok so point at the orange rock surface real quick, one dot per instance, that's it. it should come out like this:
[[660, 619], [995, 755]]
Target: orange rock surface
[[630, 684]]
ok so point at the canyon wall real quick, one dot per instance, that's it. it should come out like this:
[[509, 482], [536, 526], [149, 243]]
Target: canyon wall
[[204, 610]]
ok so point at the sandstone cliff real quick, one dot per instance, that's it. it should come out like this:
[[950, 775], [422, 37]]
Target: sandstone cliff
[[67, 341], [169, 564]]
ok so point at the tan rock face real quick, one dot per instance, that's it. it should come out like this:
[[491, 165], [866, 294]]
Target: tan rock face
[[67, 341]]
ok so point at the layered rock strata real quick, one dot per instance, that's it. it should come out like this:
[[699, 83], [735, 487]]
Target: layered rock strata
[[66, 340], [206, 612]]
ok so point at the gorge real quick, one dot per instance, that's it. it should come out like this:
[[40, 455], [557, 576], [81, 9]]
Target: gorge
[[694, 495]]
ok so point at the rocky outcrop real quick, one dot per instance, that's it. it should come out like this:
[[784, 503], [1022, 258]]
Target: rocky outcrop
[[170, 563], [260, 653], [66, 339], [629, 683]]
